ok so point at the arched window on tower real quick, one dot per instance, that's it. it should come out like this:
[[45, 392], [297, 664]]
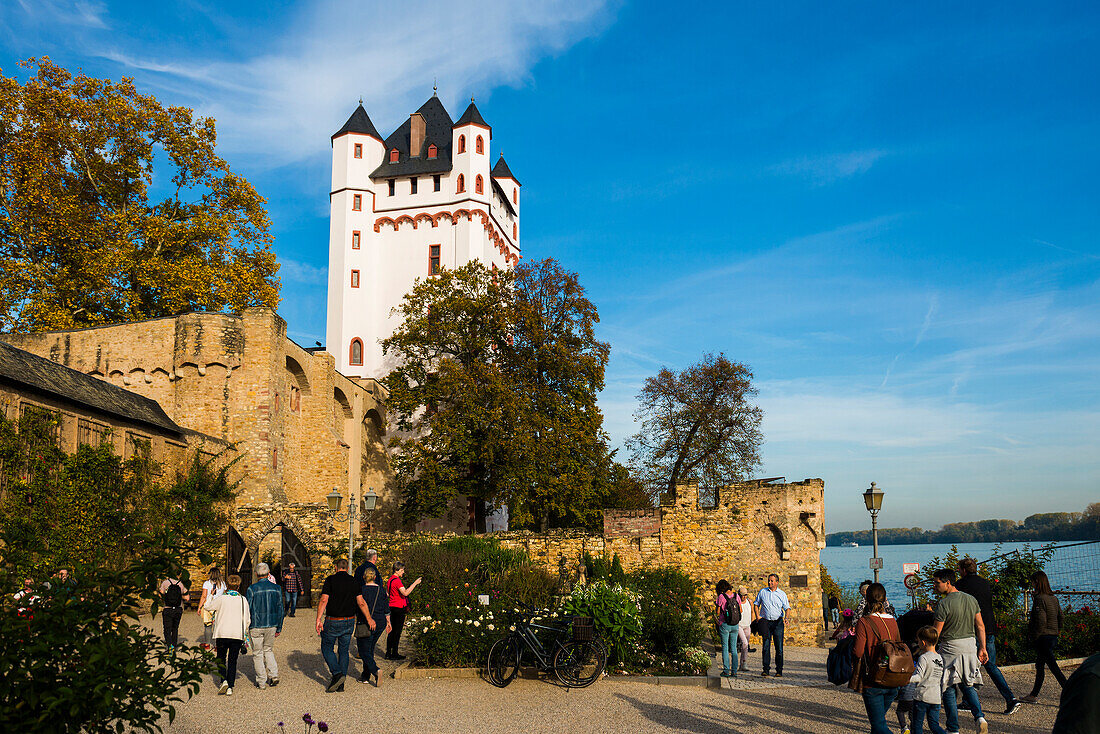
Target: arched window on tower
[[461, 184], [479, 186], [515, 199], [480, 144], [356, 353], [461, 143]]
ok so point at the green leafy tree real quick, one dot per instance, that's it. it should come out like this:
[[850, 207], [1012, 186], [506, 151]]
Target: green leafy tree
[[116, 208], [495, 396], [77, 658], [697, 424]]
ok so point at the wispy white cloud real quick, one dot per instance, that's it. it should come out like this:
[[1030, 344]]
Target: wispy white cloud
[[299, 272], [283, 103], [822, 170], [86, 13]]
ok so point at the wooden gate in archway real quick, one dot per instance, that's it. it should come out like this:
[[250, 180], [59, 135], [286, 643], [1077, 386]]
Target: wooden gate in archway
[[295, 551], [238, 559]]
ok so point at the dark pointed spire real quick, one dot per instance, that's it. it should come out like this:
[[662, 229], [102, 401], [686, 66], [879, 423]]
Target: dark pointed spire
[[359, 122], [501, 170], [472, 116]]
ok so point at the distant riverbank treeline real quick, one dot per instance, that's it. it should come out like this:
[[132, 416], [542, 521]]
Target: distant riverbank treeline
[[1044, 526]]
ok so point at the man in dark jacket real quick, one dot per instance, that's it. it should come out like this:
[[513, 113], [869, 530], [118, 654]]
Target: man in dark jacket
[[979, 588], [371, 563]]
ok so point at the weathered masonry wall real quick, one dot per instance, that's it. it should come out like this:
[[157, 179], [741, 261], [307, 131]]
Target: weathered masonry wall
[[754, 530], [300, 427]]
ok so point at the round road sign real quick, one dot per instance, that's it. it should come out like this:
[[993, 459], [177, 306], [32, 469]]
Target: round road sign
[[911, 581]]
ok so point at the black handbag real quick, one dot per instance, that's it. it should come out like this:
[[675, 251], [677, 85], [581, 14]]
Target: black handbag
[[362, 629]]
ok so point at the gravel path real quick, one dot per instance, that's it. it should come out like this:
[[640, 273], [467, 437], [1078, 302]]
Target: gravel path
[[800, 704]]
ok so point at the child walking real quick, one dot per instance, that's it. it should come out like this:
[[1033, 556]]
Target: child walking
[[928, 679]]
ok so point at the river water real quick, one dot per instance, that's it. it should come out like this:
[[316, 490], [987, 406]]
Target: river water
[[850, 566]]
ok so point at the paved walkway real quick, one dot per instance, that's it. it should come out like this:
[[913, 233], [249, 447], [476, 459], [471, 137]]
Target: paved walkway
[[802, 702]]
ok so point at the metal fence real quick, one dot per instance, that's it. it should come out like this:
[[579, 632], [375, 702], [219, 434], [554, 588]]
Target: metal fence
[[1072, 568]]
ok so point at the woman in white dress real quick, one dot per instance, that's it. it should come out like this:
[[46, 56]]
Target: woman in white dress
[[743, 626]]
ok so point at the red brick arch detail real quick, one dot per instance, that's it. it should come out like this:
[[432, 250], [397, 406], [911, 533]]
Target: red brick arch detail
[[405, 218], [462, 213], [426, 217], [384, 220], [440, 215]]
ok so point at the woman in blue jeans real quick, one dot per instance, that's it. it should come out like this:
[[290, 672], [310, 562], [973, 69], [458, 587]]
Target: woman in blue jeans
[[875, 626], [374, 612], [727, 632]]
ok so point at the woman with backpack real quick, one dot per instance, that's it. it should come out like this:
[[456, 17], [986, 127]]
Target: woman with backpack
[[1044, 624], [878, 657], [727, 612]]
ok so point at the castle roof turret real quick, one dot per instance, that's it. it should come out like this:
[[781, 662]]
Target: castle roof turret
[[501, 170], [359, 122], [472, 117]]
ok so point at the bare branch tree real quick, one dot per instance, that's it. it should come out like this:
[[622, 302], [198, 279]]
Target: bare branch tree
[[697, 424]]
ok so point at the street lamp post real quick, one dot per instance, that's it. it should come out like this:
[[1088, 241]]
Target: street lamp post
[[334, 498], [872, 497]]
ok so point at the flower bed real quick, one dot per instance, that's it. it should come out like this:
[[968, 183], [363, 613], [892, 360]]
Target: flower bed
[[650, 620], [1080, 637]]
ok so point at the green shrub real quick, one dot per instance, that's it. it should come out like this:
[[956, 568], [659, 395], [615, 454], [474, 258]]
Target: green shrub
[[615, 613], [671, 612], [604, 568]]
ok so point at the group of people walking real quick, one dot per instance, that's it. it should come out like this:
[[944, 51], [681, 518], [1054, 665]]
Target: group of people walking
[[351, 606], [952, 642]]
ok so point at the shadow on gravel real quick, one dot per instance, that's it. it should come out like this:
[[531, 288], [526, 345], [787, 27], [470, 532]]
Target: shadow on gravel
[[680, 719], [758, 704], [311, 666]]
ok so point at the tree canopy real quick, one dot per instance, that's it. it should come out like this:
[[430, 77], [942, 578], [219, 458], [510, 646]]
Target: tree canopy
[[697, 424], [115, 208], [495, 396]]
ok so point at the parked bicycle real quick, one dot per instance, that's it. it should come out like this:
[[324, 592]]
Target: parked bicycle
[[573, 653]]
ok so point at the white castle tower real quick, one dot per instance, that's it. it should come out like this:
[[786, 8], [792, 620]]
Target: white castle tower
[[402, 208]]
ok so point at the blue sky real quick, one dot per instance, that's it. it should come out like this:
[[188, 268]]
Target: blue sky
[[888, 212]]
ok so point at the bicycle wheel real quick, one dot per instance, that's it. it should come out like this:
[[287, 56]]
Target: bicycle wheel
[[579, 663], [503, 661]]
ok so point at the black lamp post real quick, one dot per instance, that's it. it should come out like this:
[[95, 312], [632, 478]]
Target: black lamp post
[[872, 497]]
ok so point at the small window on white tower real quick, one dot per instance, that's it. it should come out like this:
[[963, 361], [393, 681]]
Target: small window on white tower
[[356, 352], [355, 240], [461, 184], [433, 259], [480, 145], [412, 185], [393, 185], [357, 202], [358, 150], [437, 181], [479, 186], [461, 143], [354, 278], [515, 198]]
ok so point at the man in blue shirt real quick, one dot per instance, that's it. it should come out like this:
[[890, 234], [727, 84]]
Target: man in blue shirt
[[265, 600], [772, 606]]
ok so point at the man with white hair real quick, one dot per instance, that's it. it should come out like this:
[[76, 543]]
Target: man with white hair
[[265, 599]]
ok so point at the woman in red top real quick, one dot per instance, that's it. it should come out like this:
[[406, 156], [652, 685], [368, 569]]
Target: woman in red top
[[399, 607], [876, 625]]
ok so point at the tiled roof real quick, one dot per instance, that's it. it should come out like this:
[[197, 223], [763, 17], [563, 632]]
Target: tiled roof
[[471, 115], [437, 131], [23, 369]]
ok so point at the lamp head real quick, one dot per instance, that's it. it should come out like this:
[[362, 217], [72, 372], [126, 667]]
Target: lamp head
[[370, 500], [334, 498], [872, 497]]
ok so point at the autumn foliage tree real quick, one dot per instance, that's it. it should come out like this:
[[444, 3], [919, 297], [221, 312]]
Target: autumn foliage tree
[[114, 208], [495, 397], [697, 424]]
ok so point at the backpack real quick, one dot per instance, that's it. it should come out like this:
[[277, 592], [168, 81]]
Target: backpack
[[838, 666], [731, 612], [891, 662], [173, 596]]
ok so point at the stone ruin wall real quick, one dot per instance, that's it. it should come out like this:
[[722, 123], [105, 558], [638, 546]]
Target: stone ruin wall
[[754, 530]]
